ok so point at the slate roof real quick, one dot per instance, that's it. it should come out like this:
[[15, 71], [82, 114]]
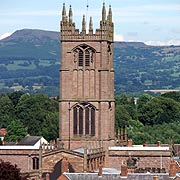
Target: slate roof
[[94, 176], [29, 140]]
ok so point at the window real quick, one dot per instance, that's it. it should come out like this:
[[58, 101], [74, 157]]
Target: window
[[78, 120], [84, 56], [87, 58], [80, 58], [84, 120], [35, 163]]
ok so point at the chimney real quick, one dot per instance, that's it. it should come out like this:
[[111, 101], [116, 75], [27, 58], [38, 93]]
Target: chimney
[[64, 165], [155, 178], [145, 144], [100, 170], [172, 169], [124, 170], [129, 143], [16, 142], [47, 176], [158, 143]]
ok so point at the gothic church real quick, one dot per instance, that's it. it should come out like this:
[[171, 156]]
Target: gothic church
[[86, 81]]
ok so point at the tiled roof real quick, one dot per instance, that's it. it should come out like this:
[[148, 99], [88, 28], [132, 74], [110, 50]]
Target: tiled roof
[[30, 140]]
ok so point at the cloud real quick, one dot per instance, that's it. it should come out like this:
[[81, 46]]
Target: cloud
[[5, 35], [118, 37], [161, 43]]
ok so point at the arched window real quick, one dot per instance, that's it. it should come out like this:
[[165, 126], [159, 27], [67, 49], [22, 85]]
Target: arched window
[[78, 120], [84, 55], [90, 121], [84, 120], [35, 163]]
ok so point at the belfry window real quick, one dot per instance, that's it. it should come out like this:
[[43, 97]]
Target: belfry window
[[84, 120], [84, 56], [87, 58], [80, 58]]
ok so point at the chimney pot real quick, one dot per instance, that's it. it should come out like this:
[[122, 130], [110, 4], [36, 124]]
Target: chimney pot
[[158, 143], [155, 178], [172, 169], [100, 170], [64, 165], [145, 144], [124, 170], [129, 143], [47, 176]]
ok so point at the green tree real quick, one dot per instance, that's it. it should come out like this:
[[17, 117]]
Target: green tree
[[122, 117], [9, 171], [160, 110], [142, 100], [15, 96], [172, 95], [15, 131], [50, 125], [33, 110], [6, 110]]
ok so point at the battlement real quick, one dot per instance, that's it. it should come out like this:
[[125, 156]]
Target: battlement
[[70, 33]]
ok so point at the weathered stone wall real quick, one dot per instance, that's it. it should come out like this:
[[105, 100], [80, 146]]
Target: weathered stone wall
[[151, 159], [22, 158], [51, 159]]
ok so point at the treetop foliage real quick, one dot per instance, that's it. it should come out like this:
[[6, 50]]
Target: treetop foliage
[[35, 114], [151, 119], [9, 171]]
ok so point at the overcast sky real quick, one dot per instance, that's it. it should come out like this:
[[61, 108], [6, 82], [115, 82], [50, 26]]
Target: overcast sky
[[149, 21]]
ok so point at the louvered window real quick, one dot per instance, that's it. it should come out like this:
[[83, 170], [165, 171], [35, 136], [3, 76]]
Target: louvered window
[[81, 58]]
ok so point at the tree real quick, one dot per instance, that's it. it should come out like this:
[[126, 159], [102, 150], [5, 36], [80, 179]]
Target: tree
[[50, 129], [9, 171], [142, 100], [15, 131], [33, 110], [122, 117], [6, 110], [172, 95], [15, 96], [160, 110]]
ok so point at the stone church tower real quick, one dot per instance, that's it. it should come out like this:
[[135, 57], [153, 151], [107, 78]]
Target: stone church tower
[[86, 81]]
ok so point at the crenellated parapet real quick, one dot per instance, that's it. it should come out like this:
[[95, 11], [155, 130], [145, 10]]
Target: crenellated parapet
[[69, 31]]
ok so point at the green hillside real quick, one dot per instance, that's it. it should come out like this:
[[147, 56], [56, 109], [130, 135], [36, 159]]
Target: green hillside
[[30, 60]]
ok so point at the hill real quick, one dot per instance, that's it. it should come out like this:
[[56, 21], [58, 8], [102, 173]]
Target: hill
[[30, 60]]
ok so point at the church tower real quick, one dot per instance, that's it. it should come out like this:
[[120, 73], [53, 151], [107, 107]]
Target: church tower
[[86, 81]]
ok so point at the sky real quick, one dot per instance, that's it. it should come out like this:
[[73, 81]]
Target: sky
[[155, 22]]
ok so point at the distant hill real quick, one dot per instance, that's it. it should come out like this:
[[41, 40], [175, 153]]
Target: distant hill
[[30, 60], [31, 43]]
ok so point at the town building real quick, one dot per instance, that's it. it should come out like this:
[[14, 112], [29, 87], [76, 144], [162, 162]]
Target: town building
[[87, 147]]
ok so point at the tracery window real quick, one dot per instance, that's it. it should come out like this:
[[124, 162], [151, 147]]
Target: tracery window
[[84, 120], [84, 56]]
